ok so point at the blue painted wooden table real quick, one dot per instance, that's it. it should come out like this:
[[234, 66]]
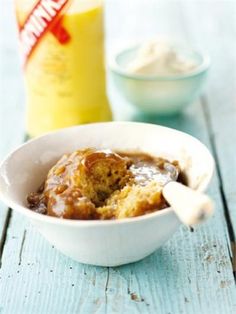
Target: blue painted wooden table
[[194, 271]]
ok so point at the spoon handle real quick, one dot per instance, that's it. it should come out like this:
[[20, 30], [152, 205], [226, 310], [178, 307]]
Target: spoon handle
[[191, 207]]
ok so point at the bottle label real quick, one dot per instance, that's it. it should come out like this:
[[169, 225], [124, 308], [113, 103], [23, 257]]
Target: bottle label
[[45, 16]]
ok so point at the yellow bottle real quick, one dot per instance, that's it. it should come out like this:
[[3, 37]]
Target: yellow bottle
[[65, 82]]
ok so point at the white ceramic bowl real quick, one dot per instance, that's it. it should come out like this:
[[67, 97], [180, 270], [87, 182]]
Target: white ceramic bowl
[[105, 243]]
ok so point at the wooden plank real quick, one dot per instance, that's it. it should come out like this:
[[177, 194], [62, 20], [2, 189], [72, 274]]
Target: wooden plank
[[12, 98], [190, 274], [44, 280], [220, 100]]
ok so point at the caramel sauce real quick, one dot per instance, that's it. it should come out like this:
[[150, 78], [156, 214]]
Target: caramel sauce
[[100, 184]]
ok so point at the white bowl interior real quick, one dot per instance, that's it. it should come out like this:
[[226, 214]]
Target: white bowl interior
[[25, 169]]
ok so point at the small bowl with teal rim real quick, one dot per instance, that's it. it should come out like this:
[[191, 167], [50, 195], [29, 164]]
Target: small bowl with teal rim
[[160, 94]]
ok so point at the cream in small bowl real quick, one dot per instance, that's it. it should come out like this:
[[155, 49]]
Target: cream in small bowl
[[159, 77], [103, 242]]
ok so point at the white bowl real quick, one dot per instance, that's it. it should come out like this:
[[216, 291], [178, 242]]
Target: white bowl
[[160, 94], [111, 242]]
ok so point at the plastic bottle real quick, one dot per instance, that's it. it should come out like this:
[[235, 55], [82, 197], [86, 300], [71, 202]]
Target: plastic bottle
[[63, 56]]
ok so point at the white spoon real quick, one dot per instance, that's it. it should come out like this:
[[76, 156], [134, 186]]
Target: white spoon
[[191, 207]]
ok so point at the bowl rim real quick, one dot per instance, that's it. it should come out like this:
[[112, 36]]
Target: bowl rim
[[89, 223], [202, 67]]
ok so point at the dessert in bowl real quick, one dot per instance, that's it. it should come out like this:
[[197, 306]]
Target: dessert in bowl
[[106, 241], [91, 184]]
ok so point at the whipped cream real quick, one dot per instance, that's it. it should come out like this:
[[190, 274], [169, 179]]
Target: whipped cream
[[159, 58]]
